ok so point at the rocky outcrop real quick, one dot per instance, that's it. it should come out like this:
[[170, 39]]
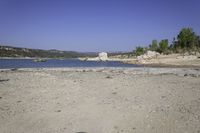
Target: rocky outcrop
[[148, 55], [103, 56]]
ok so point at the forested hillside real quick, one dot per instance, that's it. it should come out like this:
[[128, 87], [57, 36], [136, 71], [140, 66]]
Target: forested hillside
[[8, 51]]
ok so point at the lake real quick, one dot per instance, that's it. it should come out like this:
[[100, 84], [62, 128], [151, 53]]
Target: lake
[[29, 63]]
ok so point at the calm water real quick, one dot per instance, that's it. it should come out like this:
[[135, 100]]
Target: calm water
[[29, 63]]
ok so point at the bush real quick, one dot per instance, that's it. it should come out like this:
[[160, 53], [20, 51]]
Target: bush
[[139, 51]]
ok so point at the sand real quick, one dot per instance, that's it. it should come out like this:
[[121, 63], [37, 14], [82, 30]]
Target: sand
[[100, 100]]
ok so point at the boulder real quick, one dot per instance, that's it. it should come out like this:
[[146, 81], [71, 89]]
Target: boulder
[[103, 56], [148, 55], [152, 54]]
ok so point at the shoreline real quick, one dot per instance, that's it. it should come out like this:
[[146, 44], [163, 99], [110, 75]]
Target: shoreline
[[193, 72], [171, 66], [149, 63]]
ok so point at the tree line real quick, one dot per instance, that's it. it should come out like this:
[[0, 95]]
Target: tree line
[[186, 41], [8, 51]]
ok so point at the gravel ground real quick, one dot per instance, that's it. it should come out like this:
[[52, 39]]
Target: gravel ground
[[100, 100]]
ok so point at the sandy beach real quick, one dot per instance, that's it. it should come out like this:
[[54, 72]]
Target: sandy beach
[[100, 100]]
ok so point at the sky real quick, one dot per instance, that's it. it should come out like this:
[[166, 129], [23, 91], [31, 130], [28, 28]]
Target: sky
[[94, 25]]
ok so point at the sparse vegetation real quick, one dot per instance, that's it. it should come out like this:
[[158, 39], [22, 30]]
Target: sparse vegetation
[[163, 46], [186, 41], [139, 51], [154, 45]]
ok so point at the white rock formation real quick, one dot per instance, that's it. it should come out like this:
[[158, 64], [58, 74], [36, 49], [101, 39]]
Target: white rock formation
[[148, 55], [103, 56]]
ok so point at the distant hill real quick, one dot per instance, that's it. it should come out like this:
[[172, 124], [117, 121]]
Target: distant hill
[[9, 51]]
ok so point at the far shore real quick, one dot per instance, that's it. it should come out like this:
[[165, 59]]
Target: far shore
[[22, 58], [173, 61], [35, 58]]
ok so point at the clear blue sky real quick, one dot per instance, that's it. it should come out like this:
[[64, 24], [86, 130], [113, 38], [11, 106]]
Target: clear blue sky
[[94, 25]]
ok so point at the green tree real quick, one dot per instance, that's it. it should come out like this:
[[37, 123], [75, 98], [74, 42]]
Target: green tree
[[187, 39], [198, 45], [163, 46], [139, 51], [154, 45], [195, 45]]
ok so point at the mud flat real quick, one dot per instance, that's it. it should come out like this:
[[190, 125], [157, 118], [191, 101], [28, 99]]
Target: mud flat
[[100, 100]]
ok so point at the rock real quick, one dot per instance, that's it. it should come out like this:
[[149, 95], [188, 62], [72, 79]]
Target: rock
[[186, 54], [108, 77], [148, 55], [58, 111], [179, 57], [114, 93], [13, 69], [145, 56], [3, 80], [103, 56], [152, 53]]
